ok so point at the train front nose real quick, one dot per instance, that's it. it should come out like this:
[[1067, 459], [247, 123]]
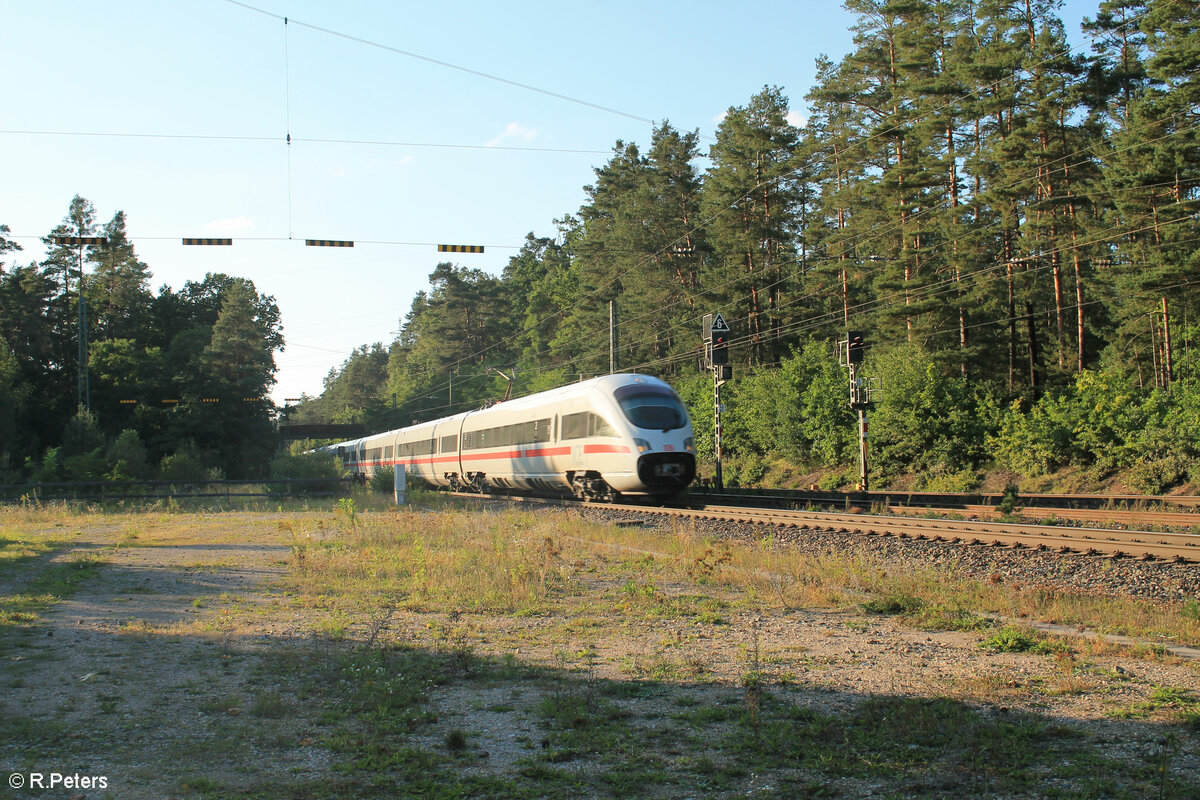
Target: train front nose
[[667, 470]]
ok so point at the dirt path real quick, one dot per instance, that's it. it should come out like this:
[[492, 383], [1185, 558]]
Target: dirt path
[[168, 673]]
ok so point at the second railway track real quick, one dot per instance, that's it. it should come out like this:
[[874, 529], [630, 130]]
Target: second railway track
[[1146, 545], [1091, 541]]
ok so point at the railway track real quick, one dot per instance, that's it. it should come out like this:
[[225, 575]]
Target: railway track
[[958, 500], [1115, 543], [1126, 511], [1108, 542], [1128, 518]]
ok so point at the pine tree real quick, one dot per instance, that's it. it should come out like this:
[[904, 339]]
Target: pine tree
[[751, 209], [657, 306], [118, 291], [1153, 174]]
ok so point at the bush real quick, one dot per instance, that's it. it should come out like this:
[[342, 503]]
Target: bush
[[51, 469], [310, 465], [964, 480], [127, 457], [383, 481], [1106, 421], [1009, 639], [182, 466], [926, 421], [1158, 475]]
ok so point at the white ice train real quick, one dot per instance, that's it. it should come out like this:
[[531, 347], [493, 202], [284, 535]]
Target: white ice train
[[597, 439]]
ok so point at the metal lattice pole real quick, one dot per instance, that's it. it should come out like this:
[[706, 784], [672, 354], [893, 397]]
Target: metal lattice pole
[[717, 427]]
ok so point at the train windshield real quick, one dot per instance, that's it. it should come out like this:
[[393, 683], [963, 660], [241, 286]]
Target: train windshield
[[652, 407]]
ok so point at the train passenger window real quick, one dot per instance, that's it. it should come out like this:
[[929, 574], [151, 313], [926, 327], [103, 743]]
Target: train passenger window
[[387, 451], [652, 407], [575, 426], [450, 444]]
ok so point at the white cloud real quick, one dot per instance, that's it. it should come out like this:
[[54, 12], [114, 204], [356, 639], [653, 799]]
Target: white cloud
[[230, 225], [796, 119], [404, 162], [719, 118], [514, 130], [338, 172]]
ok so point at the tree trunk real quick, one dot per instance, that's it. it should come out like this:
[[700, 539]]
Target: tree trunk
[[1035, 379], [1168, 361]]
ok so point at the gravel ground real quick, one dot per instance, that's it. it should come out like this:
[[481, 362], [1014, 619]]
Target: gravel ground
[[151, 673]]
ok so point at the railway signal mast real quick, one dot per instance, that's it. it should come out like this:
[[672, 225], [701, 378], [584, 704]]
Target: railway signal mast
[[84, 393], [715, 331], [851, 352]]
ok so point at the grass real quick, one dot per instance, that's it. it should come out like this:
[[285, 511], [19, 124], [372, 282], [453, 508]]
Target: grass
[[1014, 639], [1180, 705], [461, 654], [42, 576]]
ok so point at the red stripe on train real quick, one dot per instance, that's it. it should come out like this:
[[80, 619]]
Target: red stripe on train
[[540, 452]]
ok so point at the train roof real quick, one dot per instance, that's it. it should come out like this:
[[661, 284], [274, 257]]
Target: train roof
[[557, 395]]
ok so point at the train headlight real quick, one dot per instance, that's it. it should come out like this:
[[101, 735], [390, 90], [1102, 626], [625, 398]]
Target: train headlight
[[689, 444], [642, 445]]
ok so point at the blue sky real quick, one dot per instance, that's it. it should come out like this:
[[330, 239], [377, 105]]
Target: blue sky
[[156, 70]]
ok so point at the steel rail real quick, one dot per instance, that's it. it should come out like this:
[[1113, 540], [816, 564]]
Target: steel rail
[[957, 500], [1118, 516], [1147, 545]]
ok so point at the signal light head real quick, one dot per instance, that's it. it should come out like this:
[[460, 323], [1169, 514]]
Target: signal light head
[[856, 347]]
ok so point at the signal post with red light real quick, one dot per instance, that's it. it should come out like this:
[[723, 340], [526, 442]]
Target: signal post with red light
[[851, 352]]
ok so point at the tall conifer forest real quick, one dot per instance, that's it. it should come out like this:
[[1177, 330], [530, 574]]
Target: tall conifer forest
[[177, 381], [1014, 227]]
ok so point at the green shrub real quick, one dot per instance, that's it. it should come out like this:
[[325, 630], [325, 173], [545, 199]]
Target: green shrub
[[1009, 640], [896, 603], [964, 480], [183, 466], [311, 465], [127, 457], [383, 481]]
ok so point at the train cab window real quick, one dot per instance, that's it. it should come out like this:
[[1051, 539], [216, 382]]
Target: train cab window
[[598, 426], [652, 407]]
